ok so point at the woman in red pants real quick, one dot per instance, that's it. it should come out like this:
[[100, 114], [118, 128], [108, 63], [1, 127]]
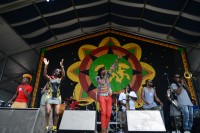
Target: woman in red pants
[[104, 95]]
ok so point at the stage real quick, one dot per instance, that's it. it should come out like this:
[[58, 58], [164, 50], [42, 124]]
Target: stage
[[31, 120]]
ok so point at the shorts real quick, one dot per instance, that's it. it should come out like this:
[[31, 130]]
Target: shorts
[[19, 105], [53, 100]]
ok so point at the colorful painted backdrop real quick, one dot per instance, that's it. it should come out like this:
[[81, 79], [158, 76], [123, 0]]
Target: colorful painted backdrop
[[142, 58]]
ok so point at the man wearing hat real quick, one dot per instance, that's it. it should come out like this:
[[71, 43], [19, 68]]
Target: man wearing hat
[[21, 97]]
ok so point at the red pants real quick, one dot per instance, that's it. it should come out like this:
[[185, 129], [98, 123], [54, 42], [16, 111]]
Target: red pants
[[106, 109]]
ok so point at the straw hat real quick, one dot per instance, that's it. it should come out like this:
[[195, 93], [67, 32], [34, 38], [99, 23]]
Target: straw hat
[[27, 76]]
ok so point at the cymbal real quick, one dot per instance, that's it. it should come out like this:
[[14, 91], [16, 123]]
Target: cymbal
[[83, 102]]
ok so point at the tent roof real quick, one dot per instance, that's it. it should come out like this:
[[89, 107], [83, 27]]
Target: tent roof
[[26, 26]]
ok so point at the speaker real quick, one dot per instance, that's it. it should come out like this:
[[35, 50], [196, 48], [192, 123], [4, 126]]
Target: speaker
[[21, 121], [78, 121], [145, 121]]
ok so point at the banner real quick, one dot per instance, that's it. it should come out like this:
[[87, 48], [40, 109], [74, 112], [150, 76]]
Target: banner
[[142, 58]]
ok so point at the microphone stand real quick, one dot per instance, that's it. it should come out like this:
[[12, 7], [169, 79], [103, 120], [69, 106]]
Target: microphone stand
[[170, 88], [96, 112]]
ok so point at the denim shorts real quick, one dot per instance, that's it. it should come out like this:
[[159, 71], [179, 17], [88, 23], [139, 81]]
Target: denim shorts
[[53, 100]]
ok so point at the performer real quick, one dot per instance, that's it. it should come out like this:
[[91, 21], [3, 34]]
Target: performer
[[104, 95], [44, 91], [148, 94], [23, 93], [43, 107], [174, 121], [124, 97], [182, 90], [132, 99], [53, 98]]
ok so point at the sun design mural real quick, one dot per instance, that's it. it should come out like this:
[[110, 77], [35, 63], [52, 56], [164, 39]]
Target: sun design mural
[[129, 71]]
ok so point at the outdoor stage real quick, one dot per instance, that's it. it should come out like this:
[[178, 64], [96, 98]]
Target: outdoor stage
[[82, 121]]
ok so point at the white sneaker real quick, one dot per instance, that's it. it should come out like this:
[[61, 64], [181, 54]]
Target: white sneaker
[[186, 131]]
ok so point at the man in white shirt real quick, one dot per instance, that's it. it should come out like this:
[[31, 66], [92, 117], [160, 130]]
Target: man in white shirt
[[132, 98], [124, 97]]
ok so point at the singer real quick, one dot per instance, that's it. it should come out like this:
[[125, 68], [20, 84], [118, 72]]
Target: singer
[[23, 93], [104, 95], [148, 95]]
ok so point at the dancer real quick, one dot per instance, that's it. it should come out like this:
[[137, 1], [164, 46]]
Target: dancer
[[44, 92], [53, 98], [43, 107], [104, 95]]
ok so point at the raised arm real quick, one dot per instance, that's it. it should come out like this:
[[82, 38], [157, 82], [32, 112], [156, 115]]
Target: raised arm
[[46, 63], [62, 69], [112, 68]]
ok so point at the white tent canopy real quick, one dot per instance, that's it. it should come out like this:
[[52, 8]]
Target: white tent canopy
[[26, 26]]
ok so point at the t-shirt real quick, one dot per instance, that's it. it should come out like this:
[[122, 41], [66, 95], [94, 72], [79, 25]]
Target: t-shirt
[[122, 97], [131, 101], [21, 97], [183, 98]]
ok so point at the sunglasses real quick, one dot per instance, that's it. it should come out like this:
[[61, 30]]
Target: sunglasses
[[176, 77]]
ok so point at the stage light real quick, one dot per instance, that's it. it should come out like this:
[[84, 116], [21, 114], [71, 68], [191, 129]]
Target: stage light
[[47, 0]]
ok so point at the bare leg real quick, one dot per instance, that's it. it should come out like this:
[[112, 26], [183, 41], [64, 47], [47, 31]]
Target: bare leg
[[48, 112], [56, 114]]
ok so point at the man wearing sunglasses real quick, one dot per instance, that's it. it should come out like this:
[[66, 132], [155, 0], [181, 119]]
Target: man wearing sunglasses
[[148, 96], [183, 96]]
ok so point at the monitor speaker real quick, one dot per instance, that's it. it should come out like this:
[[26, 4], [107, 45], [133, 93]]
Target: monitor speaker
[[21, 121], [145, 121], [78, 121]]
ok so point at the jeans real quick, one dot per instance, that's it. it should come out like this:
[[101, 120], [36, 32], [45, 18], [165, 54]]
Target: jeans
[[106, 109], [187, 113]]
